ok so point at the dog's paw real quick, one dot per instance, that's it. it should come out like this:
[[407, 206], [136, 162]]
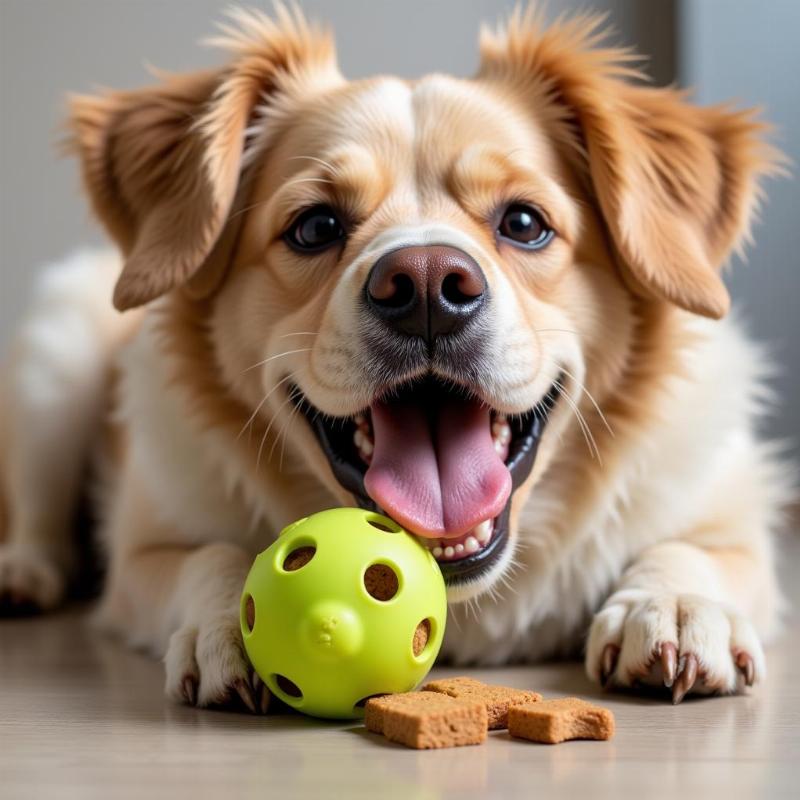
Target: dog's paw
[[29, 582], [683, 642], [206, 666]]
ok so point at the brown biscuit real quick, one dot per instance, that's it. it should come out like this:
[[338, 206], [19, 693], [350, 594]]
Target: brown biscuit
[[426, 720], [381, 581], [553, 721], [421, 636], [426, 724], [376, 707], [497, 698], [297, 559]]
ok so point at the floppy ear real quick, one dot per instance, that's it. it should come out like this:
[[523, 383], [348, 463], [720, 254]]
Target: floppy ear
[[676, 184], [162, 165]]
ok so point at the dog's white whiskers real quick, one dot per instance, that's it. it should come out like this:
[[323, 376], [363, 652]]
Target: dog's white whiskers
[[587, 434], [494, 594], [505, 578], [555, 330], [299, 333], [453, 617], [278, 355], [472, 608], [283, 435], [591, 399], [269, 428], [249, 423]]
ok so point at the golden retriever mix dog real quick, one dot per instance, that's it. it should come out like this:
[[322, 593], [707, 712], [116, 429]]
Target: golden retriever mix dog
[[489, 308]]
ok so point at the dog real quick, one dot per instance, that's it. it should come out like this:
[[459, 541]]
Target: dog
[[491, 309]]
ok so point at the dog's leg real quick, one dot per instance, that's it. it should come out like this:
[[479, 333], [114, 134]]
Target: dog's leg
[[690, 613], [180, 601], [53, 394], [681, 617]]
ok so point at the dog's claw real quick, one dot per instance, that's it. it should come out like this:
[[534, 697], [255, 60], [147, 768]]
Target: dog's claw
[[242, 688], [262, 693], [264, 697], [669, 663], [609, 663], [686, 679], [746, 666], [189, 688]]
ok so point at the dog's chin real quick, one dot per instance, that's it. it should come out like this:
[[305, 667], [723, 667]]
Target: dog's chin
[[465, 588], [475, 555]]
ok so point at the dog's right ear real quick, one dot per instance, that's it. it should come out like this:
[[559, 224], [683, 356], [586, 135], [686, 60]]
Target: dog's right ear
[[162, 165], [676, 185]]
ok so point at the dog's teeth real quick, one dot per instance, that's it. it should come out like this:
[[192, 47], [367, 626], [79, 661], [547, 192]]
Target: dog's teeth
[[437, 552], [359, 438], [501, 432], [359, 419], [483, 532], [449, 552], [471, 544], [459, 548], [366, 447], [499, 446]]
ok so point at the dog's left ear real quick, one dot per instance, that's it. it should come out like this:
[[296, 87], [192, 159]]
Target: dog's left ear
[[676, 184], [162, 165]]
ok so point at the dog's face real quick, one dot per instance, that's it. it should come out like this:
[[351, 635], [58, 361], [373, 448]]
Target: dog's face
[[416, 244], [440, 276]]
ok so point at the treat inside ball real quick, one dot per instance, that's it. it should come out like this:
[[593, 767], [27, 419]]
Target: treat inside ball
[[343, 606]]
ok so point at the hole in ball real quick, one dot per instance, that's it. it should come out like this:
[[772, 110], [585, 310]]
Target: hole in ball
[[383, 524], [298, 558], [421, 636], [250, 613], [381, 582], [288, 687]]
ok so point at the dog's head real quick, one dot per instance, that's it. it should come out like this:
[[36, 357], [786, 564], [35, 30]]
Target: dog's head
[[443, 276]]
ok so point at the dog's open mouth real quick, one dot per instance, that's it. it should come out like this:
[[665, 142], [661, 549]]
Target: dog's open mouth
[[439, 462]]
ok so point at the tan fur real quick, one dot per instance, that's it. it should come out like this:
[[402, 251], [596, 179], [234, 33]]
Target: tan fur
[[197, 178]]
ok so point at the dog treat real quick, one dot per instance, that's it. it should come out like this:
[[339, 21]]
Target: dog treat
[[421, 636], [497, 699], [376, 707], [427, 720], [381, 582], [297, 559], [553, 721]]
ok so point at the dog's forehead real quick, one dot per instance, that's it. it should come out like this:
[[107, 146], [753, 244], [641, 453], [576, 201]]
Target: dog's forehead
[[429, 121]]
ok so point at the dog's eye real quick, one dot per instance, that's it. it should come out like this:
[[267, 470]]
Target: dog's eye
[[315, 229], [524, 226]]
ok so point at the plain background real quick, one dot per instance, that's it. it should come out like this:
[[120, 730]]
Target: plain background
[[744, 50]]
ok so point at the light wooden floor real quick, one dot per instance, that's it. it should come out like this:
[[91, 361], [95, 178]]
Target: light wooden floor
[[80, 717]]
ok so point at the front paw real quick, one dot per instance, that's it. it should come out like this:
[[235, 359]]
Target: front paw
[[29, 582], [686, 643], [207, 666]]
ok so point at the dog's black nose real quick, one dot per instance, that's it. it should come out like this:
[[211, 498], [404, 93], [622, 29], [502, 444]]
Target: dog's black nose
[[426, 291]]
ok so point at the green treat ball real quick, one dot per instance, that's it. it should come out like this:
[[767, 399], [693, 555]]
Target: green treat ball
[[333, 612]]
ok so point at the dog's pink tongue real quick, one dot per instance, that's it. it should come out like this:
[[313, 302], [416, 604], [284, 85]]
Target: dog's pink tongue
[[437, 474]]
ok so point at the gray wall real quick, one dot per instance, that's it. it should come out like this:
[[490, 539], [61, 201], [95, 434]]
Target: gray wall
[[747, 50], [729, 48]]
